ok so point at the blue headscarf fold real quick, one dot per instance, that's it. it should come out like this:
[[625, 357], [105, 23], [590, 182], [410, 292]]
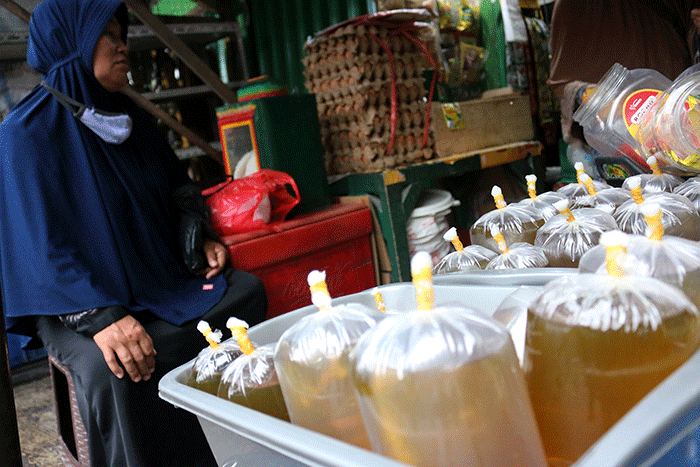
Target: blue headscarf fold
[[84, 223]]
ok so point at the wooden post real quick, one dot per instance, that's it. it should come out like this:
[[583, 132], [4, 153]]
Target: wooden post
[[9, 434], [193, 62]]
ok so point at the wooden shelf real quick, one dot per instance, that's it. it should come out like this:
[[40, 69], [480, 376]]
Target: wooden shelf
[[398, 190]]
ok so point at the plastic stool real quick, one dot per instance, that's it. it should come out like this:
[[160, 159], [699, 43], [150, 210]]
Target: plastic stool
[[71, 430]]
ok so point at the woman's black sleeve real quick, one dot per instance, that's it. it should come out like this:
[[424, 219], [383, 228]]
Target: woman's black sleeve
[[94, 320]]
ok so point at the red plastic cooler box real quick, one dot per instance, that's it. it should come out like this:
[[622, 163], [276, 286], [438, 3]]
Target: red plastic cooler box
[[335, 239]]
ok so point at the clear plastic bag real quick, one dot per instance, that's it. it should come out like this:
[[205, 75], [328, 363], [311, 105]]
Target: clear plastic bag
[[470, 258], [211, 361], [673, 260], [442, 386], [595, 346], [573, 191], [251, 380], [691, 190], [566, 237], [517, 223], [520, 255], [655, 181], [679, 216], [311, 358], [607, 200], [541, 203]]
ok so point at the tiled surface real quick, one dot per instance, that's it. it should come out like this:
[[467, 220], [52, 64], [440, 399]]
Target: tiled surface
[[36, 420]]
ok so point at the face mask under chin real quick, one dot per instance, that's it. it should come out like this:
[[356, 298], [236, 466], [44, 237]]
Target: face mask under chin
[[112, 128]]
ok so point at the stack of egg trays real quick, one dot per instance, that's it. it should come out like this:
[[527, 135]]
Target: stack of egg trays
[[350, 74]]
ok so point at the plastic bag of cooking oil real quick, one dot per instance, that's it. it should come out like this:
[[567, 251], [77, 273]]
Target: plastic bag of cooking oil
[[470, 258], [607, 200], [596, 345], [691, 190], [211, 361], [673, 260], [541, 203], [566, 237], [517, 223], [573, 191], [679, 216], [655, 181], [442, 386], [251, 379], [311, 358]]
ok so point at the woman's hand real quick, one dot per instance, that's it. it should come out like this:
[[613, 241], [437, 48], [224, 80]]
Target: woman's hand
[[217, 256], [126, 341]]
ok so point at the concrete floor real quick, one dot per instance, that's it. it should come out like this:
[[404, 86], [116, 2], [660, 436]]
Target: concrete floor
[[36, 419]]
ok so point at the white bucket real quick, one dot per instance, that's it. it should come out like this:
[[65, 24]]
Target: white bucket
[[428, 222]]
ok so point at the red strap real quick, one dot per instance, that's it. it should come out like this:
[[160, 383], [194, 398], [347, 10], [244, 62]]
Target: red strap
[[404, 29]]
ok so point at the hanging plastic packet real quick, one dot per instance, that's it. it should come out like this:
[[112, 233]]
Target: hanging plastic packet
[[211, 361], [311, 358], [673, 260], [565, 238], [573, 191], [596, 345], [541, 203], [471, 258], [251, 379], [607, 200], [515, 222], [679, 216], [656, 180], [519, 255], [442, 386]]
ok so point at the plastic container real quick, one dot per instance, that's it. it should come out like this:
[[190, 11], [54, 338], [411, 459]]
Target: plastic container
[[235, 432], [671, 130], [429, 221], [661, 430], [611, 115]]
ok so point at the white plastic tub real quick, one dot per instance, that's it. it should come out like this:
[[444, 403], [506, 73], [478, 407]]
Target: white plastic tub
[[249, 438], [662, 430]]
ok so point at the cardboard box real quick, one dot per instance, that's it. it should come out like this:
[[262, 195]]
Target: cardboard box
[[492, 120]]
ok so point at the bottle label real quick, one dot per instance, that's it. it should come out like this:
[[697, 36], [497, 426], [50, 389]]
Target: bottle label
[[636, 107]]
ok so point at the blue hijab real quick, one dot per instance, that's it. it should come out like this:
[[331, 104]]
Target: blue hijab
[[84, 223]]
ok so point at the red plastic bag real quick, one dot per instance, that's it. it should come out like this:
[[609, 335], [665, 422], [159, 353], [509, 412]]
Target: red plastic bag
[[259, 201]]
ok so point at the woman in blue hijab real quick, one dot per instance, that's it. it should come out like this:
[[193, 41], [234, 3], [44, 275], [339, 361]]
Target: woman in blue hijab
[[89, 253]]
